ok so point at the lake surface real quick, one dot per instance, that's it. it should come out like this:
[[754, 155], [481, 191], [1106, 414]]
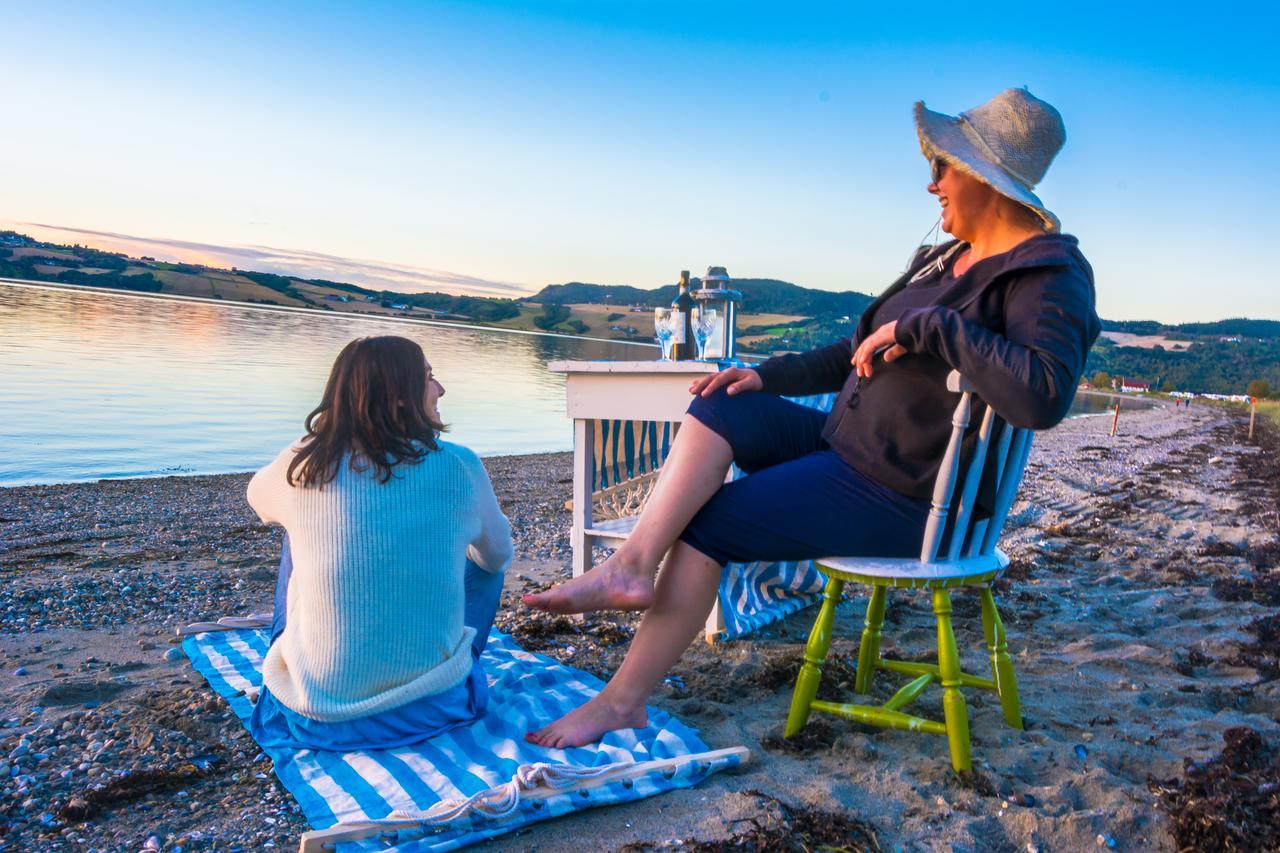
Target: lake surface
[[97, 385], [101, 384]]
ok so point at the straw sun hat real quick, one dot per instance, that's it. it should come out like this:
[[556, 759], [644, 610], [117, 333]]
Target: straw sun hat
[[1007, 143]]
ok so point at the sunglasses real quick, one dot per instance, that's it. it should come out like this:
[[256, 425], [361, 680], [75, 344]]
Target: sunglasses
[[938, 168]]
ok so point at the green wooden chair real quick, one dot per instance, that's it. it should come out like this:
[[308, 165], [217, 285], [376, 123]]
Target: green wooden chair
[[971, 559]]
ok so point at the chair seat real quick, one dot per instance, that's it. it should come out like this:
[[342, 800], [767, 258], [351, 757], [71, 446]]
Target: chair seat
[[912, 572]]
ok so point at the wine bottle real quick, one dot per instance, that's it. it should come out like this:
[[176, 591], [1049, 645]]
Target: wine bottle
[[683, 348]]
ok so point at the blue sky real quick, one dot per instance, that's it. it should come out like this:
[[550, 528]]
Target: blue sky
[[495, 147]]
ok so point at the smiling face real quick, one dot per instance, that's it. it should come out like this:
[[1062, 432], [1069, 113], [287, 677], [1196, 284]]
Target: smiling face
[[967, 203], [432, 394]]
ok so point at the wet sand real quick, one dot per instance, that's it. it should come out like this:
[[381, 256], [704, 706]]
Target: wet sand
[[1141, 611]]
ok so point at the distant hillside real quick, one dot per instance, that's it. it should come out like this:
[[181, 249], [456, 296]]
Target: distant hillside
[[1240, 326], [760, 295], [1224, 356], [22, 257]]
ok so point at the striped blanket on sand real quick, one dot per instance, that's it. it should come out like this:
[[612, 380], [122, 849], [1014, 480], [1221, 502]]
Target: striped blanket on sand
[[526, 691]]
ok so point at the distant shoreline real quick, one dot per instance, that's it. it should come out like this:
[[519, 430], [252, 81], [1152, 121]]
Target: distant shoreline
[[253, 306]]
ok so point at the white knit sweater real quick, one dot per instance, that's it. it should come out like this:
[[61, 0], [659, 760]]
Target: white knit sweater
[[375, 608]]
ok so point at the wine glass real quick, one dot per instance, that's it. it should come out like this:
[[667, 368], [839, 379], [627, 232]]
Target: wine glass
[[664, 329], [704, 323]]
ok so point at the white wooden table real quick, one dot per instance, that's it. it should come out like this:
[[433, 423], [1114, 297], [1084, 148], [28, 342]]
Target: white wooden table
[[619, 390]]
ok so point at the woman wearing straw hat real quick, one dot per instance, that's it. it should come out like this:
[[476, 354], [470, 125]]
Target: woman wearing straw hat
[[1009, 303]]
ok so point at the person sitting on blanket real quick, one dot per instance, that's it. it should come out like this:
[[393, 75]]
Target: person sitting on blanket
[[395, 549], [1009, 303]]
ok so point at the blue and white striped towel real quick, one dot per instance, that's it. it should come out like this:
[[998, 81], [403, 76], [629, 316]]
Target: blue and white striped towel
[[525, 692]]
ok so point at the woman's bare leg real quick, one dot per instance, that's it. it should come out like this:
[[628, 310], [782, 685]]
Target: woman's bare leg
[[685, 591], [691, 474]]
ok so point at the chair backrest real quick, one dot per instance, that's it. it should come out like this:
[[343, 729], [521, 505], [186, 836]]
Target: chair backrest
[[965, 534]]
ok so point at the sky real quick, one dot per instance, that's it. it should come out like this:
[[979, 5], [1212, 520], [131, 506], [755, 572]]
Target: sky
[[494, 148]]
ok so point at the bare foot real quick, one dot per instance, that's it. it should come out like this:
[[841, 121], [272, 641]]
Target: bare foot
[[587, 724], [609, 587]]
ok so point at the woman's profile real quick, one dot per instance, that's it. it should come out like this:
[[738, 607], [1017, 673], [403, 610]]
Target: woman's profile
[[393, 565]]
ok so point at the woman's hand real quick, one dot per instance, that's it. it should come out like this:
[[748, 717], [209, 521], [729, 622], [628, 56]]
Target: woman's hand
[[881, 339], [739, 379]]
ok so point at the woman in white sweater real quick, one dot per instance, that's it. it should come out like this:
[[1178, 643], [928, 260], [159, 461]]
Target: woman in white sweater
[[395, 550]]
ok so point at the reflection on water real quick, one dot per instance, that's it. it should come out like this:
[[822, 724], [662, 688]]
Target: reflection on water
[[107, 385], [103, 385]]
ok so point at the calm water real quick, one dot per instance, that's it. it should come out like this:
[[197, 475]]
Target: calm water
[[97, 385]]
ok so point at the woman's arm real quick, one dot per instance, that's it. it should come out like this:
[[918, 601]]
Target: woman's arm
[[492, 549], [1028, 374], [814, 372], [268, 490]]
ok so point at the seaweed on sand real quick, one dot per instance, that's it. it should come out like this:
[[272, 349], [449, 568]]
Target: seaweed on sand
[[1263, 654], [1228, 803], [781, 827], [126, 789], [818, 735], [1263, 587]]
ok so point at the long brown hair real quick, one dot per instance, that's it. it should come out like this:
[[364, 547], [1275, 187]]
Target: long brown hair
[[372, 412]]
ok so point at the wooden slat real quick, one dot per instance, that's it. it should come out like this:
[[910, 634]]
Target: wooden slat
[[945, 484], [1008, 489], [1002, 445], [972, 479]]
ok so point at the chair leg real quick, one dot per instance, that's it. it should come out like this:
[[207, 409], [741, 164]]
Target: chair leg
[[815, 654], [953, 704], [869, 646], [1001, 663]]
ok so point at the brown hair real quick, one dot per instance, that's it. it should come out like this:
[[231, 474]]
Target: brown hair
[[372, 412]]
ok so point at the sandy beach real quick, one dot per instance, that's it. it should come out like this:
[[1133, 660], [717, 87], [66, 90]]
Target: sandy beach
[[1141, 608]]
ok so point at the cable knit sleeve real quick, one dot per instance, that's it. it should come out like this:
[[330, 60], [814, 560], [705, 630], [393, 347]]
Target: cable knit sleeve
[[268, 491], [492, 549]]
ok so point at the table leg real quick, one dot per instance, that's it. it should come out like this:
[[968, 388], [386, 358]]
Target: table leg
[[583, 451]]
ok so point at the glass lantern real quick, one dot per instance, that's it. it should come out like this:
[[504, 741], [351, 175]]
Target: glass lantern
[[716, 295]]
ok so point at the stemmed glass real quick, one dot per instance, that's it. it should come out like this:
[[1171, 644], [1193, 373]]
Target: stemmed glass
[[704, 323], [665, 330]]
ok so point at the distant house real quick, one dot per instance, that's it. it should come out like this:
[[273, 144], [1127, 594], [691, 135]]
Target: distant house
[[1229, 339], [1134, 386]]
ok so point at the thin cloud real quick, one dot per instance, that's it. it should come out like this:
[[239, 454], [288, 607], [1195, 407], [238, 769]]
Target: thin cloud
[[302, 263]]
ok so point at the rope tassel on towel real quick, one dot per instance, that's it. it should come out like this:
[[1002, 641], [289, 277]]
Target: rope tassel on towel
[[504, 800], [531, 783]]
